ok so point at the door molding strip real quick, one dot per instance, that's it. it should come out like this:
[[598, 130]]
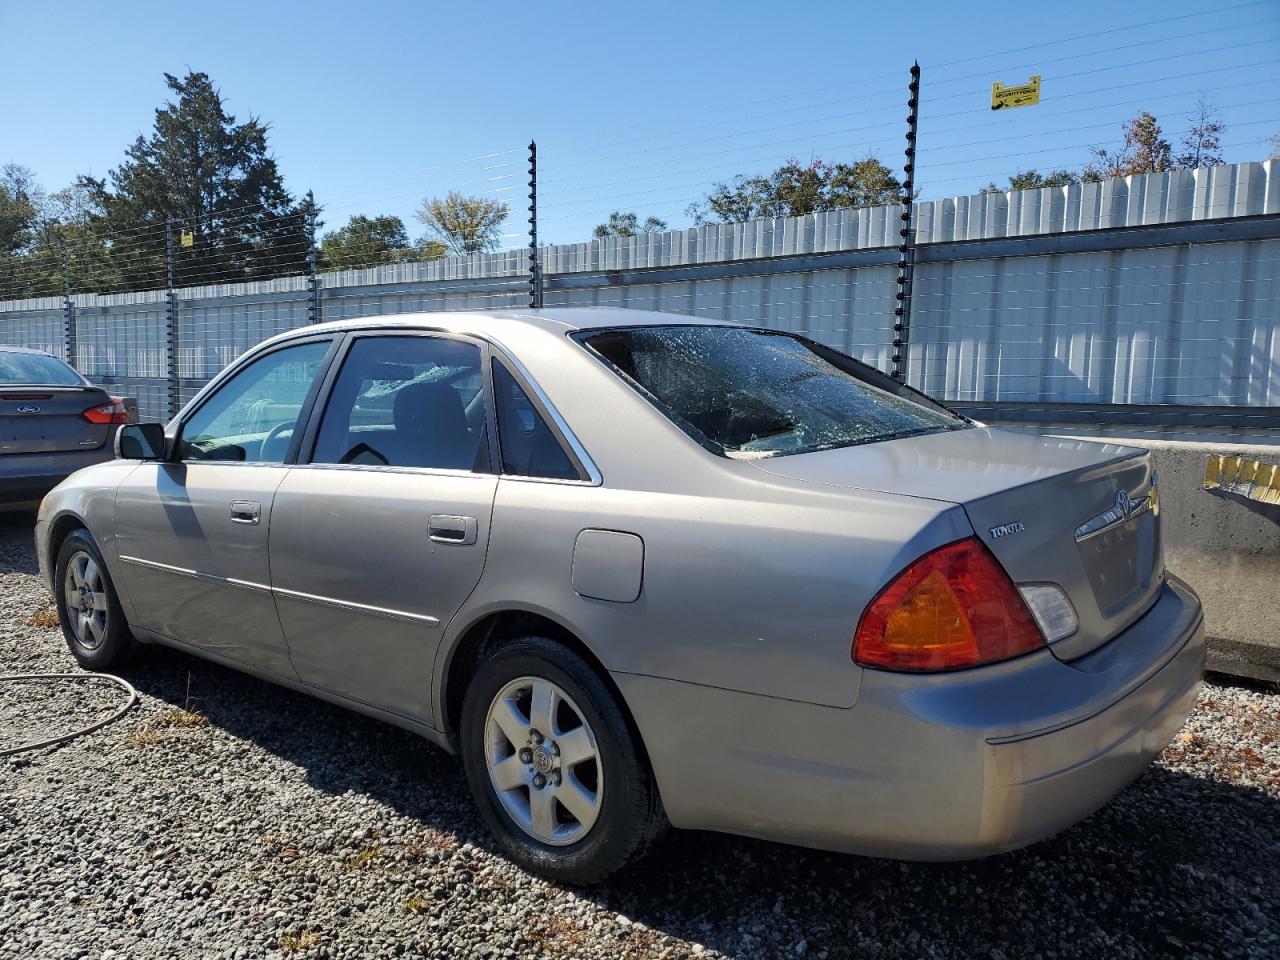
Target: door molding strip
[[358, 607], [196, 574], [386, 612]]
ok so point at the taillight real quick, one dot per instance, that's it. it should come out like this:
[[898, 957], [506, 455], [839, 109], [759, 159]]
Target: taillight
[[112, 412], [954, 607]]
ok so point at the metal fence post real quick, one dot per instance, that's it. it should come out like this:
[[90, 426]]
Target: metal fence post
[[315, 313], [535, 268], [907, 244], [171, 321], [68, 309]]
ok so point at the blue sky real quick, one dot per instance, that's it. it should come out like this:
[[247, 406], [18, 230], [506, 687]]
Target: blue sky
[[636, 106]]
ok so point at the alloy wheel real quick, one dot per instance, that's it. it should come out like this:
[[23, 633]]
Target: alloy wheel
[[86, 597], [543, 761]]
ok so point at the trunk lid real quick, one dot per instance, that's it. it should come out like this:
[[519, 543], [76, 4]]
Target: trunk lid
[[1081, 515], [40, 419]]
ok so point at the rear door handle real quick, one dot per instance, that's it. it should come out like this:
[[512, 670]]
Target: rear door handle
[[459, 531], [245, 511]]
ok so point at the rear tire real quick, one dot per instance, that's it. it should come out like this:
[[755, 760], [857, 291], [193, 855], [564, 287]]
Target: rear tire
[[89, 609], [559, 776]]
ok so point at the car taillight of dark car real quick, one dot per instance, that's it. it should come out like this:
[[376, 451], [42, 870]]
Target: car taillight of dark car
[[113, 411]]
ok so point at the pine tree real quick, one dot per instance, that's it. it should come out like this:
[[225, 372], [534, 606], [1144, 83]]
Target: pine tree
[[214, 179]]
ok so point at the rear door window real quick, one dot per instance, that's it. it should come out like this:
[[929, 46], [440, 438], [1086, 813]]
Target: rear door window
[[530, 448], [407, 402], [747, 393]]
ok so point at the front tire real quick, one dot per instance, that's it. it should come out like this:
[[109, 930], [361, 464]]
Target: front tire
[[88, 607], [558, 773]]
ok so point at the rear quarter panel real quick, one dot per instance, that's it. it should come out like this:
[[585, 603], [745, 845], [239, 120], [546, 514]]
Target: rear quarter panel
[[756, 588]]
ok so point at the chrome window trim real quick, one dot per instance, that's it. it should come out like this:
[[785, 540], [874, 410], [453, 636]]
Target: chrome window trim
[[376, 327], [224, 463], [559, 480], [595, 477], [178, 422], [392, 468]]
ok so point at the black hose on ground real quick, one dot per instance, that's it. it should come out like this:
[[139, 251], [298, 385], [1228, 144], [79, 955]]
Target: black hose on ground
[[96, 725]]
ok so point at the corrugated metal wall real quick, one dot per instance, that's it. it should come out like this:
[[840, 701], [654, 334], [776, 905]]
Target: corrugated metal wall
[[1132, 291], [1188, 324], [34, 323]]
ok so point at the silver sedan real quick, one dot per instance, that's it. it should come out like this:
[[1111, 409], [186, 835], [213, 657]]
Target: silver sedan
[[640, 570]]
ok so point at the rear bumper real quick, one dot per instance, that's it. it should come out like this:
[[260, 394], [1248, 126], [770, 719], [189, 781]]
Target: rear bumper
[[29, 476], [937, 767]]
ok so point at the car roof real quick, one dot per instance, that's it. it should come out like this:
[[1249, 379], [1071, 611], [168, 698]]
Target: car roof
[[490, 322], [6, 348]]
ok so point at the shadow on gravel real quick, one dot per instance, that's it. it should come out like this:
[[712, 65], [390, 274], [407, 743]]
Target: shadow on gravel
[[17, 529], [1176, 865]]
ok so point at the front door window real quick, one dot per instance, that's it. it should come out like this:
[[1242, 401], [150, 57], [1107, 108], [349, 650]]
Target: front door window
[[252, 417]]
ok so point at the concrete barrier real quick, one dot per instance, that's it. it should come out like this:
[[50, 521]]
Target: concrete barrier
[[1225, 545]]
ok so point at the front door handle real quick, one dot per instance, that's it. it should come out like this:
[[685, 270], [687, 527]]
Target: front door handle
[[458, 531], [246, 511]]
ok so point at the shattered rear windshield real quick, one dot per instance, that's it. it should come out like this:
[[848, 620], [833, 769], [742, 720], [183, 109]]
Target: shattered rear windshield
[[746, 393]]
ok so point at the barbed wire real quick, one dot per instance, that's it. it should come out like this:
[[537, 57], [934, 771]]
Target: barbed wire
[[1145, 24], [897, 125], [247, 250], [156, 230], [231, 219], [51, 259], [924, 279], [286, 252], [716, 251], [896, 107]]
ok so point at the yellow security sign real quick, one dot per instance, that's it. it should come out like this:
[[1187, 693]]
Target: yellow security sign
[[188, 238], [1245, 478], [1023, 95]]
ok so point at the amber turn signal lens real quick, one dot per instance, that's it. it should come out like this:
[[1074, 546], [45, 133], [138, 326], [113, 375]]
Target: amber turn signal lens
[[953, 608]]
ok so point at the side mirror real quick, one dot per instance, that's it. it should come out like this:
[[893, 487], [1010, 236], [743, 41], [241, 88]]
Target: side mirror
[[140, 441]]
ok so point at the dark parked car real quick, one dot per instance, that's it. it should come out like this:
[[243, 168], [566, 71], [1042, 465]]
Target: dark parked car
[[52, 422]]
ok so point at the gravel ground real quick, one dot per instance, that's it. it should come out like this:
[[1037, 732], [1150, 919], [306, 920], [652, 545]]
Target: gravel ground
[[225, 817]]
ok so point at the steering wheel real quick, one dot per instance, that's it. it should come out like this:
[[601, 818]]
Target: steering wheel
[[274, 432]]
